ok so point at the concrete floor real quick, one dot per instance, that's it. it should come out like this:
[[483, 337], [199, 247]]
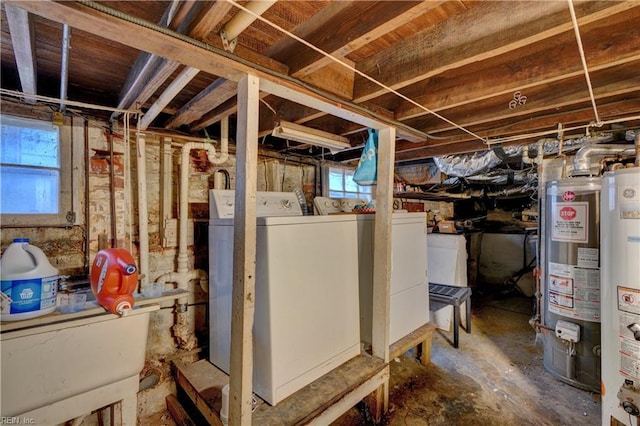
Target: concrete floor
[[495, 378]]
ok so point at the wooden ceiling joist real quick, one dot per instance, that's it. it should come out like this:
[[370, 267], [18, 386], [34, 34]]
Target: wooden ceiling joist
[[463, 60], [538, 102], [462, 143], [150, 71], [545, 64], [185, 76], [210, 98], [369, 21], [210, 16], [380, 18], [479, 34], [23, 40], [227, 108]]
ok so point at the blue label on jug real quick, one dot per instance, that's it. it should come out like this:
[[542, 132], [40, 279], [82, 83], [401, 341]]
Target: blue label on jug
[[30, 295]]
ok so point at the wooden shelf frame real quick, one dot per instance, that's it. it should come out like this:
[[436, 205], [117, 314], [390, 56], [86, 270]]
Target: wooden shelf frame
[[243, 305]]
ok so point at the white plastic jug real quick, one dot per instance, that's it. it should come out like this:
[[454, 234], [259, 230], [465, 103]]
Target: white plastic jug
[[28, 282]]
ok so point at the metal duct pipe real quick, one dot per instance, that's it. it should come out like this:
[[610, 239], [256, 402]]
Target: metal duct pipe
[[64, 67], [584, 156]]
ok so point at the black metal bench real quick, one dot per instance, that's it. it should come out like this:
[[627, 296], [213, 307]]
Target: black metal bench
[[455, 296]]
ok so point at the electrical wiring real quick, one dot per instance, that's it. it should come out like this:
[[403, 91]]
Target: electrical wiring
[[67, 102], [576, 29]]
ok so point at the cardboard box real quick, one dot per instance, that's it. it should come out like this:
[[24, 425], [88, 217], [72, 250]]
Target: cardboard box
[[447, 227]]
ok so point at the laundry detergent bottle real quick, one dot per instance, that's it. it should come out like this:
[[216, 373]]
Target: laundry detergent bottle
[[28, 282], [114, 278]]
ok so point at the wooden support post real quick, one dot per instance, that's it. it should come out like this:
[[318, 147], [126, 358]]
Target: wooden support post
[[382, 254], [244, 253]]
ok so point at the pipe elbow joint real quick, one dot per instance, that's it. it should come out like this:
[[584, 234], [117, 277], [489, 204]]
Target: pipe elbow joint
[[218, 159]]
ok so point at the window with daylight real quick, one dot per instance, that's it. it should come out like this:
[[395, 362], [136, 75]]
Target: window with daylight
[[31, 178], [341, 185]]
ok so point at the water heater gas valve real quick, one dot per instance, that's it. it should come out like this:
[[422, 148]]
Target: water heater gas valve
[[568, 331], [629, 397]]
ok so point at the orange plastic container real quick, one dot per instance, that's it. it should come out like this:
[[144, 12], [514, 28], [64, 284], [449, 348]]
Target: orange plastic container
[[114, 278]]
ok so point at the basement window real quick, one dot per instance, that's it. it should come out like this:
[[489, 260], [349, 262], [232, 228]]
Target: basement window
[[341, 184], [33, 188]]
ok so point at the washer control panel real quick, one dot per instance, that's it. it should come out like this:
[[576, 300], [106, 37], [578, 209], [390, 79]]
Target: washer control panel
[[268, 204]]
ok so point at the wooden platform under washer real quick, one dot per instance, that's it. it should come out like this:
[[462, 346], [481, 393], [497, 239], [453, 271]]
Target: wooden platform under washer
[[320, 402], [419, 339]]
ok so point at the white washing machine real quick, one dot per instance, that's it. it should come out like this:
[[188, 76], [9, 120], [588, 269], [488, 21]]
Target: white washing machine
[[409, 304], [306, 301]]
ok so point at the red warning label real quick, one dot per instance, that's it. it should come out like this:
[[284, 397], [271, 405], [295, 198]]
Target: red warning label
[[568, 213], [570, 222]]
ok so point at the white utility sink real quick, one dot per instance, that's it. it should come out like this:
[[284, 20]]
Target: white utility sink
[[54, 372]]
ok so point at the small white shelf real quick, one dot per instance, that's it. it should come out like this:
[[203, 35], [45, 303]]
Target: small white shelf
[[92, 309]]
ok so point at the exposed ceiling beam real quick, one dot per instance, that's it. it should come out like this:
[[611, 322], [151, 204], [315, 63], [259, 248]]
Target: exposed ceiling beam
[[149, 71], [539, 65], [473, 36], [24, 48], [227, 108], [212, 61], [380, 18], [158, 70], [327, 15], [457, 144], [171, 91], [211, 14], [210, 98], [375, 19], [623, 81], [308, 98], [146, 39], [220, 90], [360, 24], [556, 21]]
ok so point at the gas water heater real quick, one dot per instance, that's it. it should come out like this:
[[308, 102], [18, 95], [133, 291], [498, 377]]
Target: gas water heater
[[572, 281], [621, 297]]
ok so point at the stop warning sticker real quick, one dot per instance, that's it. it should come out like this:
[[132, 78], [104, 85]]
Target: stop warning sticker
[[570, 222]]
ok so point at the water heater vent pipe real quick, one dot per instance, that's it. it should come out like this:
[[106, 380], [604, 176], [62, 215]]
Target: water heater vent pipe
[[583, 159]]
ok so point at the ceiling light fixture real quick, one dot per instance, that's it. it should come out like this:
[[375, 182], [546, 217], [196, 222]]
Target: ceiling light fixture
[[298, 133]]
